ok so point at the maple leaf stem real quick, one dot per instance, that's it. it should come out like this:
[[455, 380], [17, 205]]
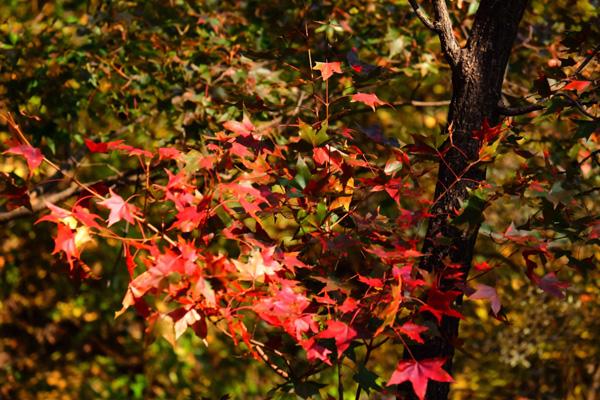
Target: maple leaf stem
[[407, 348], [369, 346], [259, 348], [327, 101], [340, 381]]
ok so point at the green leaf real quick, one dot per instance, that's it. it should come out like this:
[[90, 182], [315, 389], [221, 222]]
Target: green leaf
[[192, 161], [302, 173], [366, 379], [308, 134], [472, 213], [586, 128], [307, 389]]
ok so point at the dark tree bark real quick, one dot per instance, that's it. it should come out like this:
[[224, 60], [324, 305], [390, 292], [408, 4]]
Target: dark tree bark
[[477, 75]]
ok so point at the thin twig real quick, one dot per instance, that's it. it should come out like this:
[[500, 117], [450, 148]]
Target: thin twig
[[587, 60], [578, 105]]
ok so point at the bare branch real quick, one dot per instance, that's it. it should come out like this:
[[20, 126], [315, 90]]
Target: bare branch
[[514, 111], [419, 103], [442, 25], [421, 15]]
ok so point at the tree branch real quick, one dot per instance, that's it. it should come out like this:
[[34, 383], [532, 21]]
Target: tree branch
[[442, 25], [419, 103], [421, 15], [514, 111], [578, 105]]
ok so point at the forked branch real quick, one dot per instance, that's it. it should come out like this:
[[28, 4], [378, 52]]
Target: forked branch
[[442, 25], [422, 15]]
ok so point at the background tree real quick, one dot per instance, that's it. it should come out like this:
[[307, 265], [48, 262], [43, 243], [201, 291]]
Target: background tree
[[181, 74]]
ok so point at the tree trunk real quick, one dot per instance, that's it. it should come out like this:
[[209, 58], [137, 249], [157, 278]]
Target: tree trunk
[[477, 76]]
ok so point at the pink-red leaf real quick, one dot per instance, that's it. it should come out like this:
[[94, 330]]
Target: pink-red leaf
[[32, 155], [168, 153], [369, 99], [244, 128], [550, 284], [440, 303], [320, 155], [96, 147], [341, 333], [484, 292], [119, 209], [419, 373], [315, 351], [579, 86], [413, 331]]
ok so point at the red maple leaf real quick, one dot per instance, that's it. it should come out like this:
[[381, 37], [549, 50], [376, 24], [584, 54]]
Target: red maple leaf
[[320, 155], [119, 209], [369, 99], [482, 266], [419, 373], [413, 331], [188, 219], [114, 145], [32, 155], [244, 128], [438, 303], [286, 309], [168, 153], [65, 241], [130, 150], [315, 351], [96, 147], [341, 332], [349, 305], [85, 216], [239, 150], [577, 85], [371, 282], [488, 133], [328, 68], [56, 215]]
